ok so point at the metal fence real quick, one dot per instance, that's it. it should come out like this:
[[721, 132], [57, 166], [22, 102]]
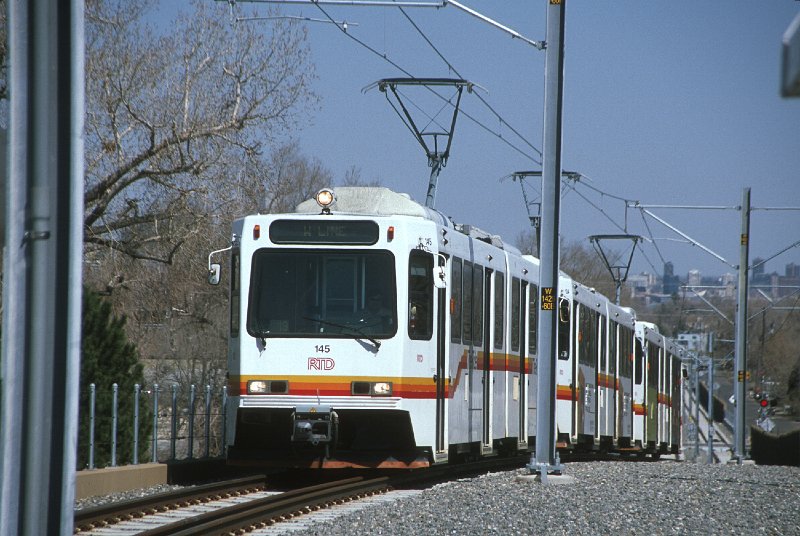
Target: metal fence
[[194, 428]]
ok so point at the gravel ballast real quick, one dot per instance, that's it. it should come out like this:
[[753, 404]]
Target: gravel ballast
[[645, 498]]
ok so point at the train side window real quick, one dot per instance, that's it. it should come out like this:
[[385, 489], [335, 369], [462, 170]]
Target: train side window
[[420, 295], [515, 314], [533, 319], [612, 347], [235, 291], [586, 336], [477, 305], [652, 365], [563, 329], [638, 354], [466, 311], [455, 300], [499, 309], [625, 351], [601, 329]]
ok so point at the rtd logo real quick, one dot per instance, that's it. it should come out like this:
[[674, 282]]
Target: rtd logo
[[321, 363]]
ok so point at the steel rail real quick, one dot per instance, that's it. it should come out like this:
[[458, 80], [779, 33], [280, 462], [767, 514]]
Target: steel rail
[[261, 512], [89, 518]]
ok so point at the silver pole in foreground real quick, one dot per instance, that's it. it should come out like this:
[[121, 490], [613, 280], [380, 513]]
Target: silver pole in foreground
[[42, 276], [546, 460], [740, 370]]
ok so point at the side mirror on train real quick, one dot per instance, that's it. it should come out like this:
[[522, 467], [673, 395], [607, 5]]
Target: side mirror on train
[[213, 274], [439, 277]]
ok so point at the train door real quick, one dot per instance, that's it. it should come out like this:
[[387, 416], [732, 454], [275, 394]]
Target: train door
[[441, 366], [530, 359], [486, 361], [566, 390], [499, 362], [587, 339], [651, 395], [675, 405], [638, 391], [473, 332], [518, 342], [602, 402], [625, 389], [609, 374]]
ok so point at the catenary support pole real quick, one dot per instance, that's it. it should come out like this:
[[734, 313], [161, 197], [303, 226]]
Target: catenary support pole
[[42, 278], [710, 410], [740, 370], [548, 268]]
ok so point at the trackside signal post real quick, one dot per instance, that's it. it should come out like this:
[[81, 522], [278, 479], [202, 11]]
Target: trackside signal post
[[545, 456]]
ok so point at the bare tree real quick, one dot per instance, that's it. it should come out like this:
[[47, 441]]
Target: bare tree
[[171, 115], [291, 178], [352, 177]]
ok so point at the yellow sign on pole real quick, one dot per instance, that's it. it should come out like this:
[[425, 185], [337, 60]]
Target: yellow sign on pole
[[548, 299]]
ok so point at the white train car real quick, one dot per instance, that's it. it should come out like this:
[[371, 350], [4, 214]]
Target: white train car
[[369, 331], [657, 391], [376, 333], [594, 373]]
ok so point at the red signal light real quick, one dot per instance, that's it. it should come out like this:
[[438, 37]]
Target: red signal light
[[764, 402]]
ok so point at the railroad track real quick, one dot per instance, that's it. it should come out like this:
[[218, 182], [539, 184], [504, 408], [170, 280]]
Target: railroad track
[[241, 506]]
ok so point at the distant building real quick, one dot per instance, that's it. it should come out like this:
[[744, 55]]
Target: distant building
[[694, 278], [694, 342], [671, 282]]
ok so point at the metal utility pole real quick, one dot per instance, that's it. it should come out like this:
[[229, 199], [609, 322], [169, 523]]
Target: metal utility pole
[[42, 267], [546, 461], [740, 370]]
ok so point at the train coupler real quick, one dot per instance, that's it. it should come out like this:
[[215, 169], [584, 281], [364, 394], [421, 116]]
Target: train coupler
[[314, 425]]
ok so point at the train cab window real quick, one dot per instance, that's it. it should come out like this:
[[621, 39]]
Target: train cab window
[[420, 295], [533, 319], [499, 309], [455, 300], [563, 329], [322, 293], [515, 314]]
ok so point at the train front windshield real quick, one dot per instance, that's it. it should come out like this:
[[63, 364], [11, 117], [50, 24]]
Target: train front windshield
[[338, 293]]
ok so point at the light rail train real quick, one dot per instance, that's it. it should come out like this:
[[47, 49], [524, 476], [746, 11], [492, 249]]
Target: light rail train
[[369, 331]]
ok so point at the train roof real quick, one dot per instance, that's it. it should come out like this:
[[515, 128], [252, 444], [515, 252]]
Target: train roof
[[381, 201], [374, 201]]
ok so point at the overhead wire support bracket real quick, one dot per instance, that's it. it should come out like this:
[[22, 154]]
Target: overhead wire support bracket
[[540, 45]]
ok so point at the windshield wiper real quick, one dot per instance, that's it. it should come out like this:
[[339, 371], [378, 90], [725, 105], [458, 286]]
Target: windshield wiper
[[352, 329]]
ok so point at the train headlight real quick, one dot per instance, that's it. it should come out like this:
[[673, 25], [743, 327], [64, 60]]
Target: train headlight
[[382, 389], [371, 388], [325, 199], [257, 387]]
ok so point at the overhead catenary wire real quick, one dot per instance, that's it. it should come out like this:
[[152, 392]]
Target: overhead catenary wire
[[502, 121], [480, 98], [394, 64]]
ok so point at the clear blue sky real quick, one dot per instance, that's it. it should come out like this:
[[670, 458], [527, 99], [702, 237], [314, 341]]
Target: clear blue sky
[[665, 103]]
